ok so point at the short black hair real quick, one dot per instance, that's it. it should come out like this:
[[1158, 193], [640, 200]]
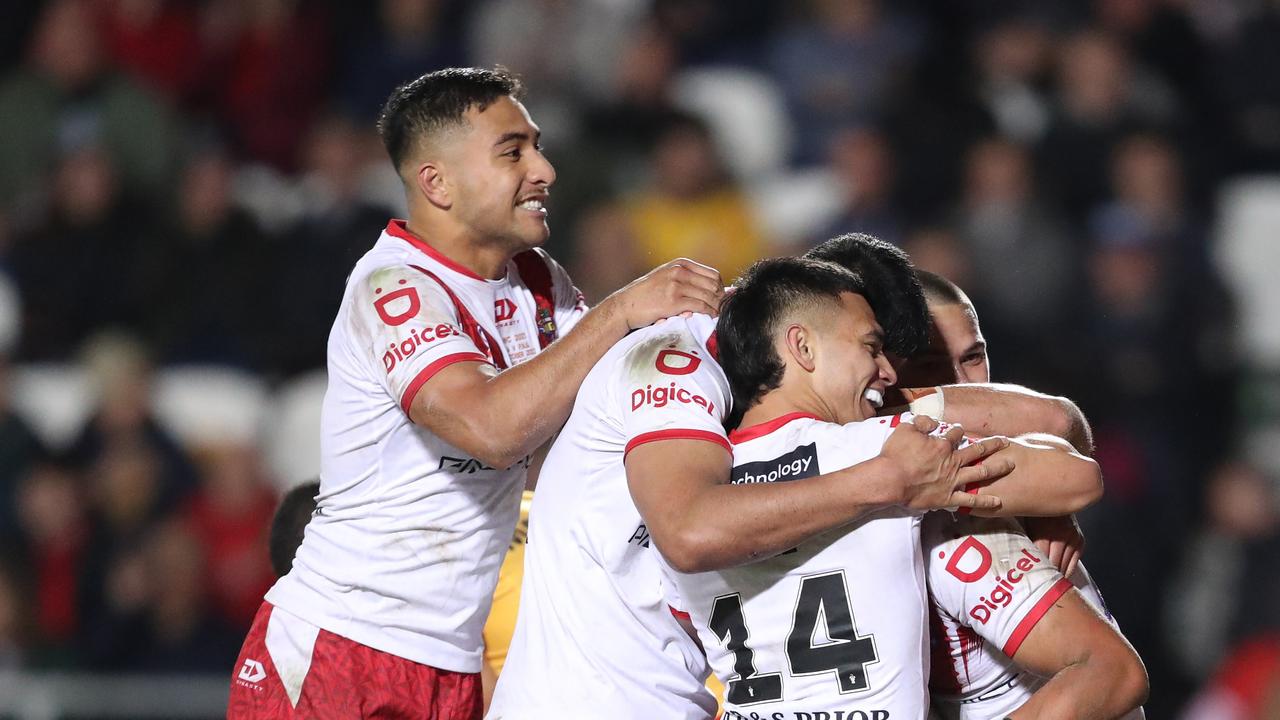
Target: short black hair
[[289, 524], [764, 296], [437, 100], [893, 291], [939, 289]]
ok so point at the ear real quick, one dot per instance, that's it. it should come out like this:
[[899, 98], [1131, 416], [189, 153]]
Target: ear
[[799, 345], [431, 183]]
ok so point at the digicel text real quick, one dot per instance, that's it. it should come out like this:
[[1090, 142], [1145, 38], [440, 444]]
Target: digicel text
[[399, 352], [661, 395], [1002, 593]]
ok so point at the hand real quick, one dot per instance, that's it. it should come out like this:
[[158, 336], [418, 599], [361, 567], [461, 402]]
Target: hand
[[1059, 538], [933, 473], [680, 286]]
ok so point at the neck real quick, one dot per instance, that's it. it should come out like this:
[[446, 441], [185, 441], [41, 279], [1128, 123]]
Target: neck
[[783, 401], [486, 259]]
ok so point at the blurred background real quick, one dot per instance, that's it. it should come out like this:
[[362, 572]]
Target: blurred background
[[184, 185]]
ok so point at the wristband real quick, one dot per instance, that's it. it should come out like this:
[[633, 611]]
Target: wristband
[[928, 402]]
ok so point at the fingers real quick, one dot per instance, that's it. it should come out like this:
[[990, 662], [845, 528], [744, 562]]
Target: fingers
[[993, 468], [954, 435], [1074, 559], [924, 423], [981, 449], [698, 268], [1043, 546], [1056, 550], [976, 501]]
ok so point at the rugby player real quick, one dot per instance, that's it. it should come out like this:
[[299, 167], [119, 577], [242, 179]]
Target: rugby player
[[457, 350], [835, 627], [594, 632], [1003, 618]]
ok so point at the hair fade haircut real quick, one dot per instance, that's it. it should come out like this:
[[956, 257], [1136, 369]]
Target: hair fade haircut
[[766, 295], [439, 100], [289, 524], [893, 291]]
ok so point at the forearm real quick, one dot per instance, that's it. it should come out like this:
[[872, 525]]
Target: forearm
[[1001, 409], [725, 525], [1047, 480], [510, 414]]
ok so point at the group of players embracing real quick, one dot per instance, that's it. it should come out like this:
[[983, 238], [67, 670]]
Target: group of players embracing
[[782, 484]]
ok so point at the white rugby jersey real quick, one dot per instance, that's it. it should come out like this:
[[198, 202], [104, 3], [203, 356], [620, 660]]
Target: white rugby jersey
[[403, 552], [835, 627], [989, 585], [594, 636]]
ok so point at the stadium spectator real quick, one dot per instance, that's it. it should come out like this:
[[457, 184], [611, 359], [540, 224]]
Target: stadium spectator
[[67, 93], [863, 160], [54, 535], [159, 44], [691, 207]]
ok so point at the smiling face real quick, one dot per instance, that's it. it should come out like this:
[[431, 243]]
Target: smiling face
[[497, 177], [851, 371]]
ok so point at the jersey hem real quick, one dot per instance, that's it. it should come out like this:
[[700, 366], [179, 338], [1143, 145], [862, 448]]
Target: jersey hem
[[658, 435], [1029, 621], [406, 400]]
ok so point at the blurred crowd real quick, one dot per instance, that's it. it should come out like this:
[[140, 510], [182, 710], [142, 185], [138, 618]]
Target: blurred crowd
[[189, 181]]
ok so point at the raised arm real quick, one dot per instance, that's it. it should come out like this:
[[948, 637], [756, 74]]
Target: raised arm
[[1093, 671], [699, 522], [499, 418], [1003, 409]]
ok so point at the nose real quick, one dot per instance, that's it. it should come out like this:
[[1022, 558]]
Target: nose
[[541, 172], [887, 373]]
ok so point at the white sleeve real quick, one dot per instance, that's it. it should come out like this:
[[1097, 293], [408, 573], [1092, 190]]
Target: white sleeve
[[407, 328], [669, 388], [987, 574]]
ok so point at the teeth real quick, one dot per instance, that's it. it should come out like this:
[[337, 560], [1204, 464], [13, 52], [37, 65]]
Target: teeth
[[531, 204], [875, 397]]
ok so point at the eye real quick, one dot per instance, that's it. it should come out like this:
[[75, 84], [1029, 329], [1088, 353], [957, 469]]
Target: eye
[[513, 153], [973, 359]]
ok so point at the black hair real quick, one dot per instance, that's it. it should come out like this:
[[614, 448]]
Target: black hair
[[893, 291], [437, 100], [764, 296], [939, 289], [289, 524]]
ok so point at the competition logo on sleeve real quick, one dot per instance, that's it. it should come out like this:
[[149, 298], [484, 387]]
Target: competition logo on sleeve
[[547, 330], [799, 463]]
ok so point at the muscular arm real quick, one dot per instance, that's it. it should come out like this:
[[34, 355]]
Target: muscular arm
[[700, 522], [1003, 409], [499, 418], [1049, 478], [1093, 671]]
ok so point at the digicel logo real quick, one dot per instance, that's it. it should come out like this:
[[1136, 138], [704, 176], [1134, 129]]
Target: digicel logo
[[405, 349], [661, 395], [972, 553]]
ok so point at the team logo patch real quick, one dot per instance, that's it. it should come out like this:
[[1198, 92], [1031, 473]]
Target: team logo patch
[[974, 555], [503, 310], [252, 671], [799, 463], [395, 308]]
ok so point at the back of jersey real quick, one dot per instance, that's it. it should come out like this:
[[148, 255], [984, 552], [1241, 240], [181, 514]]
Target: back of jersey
[[837, 625]]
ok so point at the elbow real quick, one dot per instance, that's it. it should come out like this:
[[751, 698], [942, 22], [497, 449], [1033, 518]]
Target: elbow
[[1088, 485], [689, 551], [1069, 423], [1131, 686]]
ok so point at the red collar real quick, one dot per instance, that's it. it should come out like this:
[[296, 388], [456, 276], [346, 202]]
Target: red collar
[[400, 229], [742, 435]]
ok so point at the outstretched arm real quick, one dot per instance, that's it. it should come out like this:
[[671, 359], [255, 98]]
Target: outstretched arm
[[1049, 478], [501, 417], [700, 522], [1003, 409]]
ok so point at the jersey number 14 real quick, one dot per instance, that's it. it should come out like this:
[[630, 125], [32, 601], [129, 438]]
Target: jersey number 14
[[846, 654]]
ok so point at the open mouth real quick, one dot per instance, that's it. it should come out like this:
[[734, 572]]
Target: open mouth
[[874, 396], [533, 205]]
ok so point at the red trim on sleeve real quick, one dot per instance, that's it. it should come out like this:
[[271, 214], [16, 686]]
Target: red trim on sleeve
[[400, 229], [896, 421], [678, 434], [1029, 621], [752, 432], [680, 614], [434, 367]]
